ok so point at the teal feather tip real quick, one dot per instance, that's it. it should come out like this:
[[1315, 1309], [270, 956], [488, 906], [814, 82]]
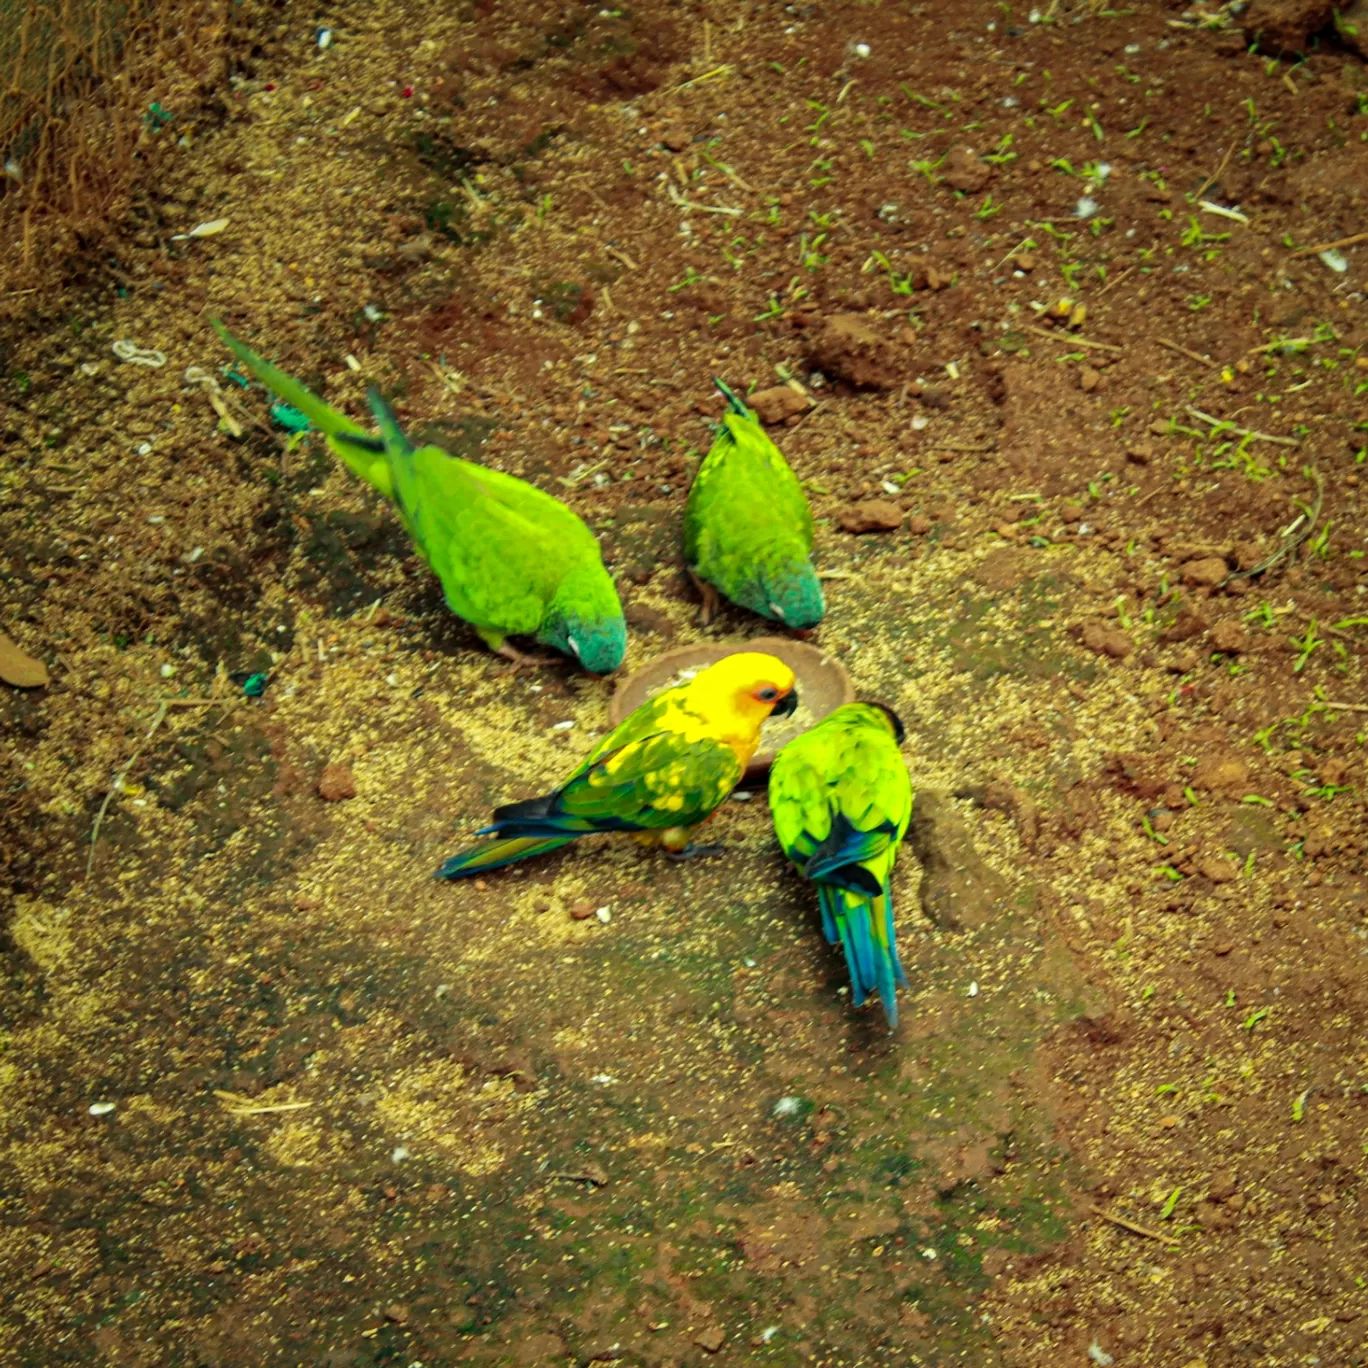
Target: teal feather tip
[[791, 594], [598, 645], [288, 417]]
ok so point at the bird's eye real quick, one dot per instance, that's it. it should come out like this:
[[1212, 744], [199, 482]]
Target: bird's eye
[[768, 694]]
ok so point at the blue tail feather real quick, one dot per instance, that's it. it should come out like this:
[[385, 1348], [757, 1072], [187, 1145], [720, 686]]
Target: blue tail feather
[[480, 859], [874, 967]]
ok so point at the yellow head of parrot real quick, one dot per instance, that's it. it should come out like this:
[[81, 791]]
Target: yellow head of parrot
[[745, 688]]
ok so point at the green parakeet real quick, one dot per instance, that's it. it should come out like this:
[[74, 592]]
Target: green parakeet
[[841, 800], [512, 560], [748, 528], [658, 774]]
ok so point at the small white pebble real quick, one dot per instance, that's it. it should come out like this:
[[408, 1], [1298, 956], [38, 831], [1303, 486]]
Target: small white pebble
[[890, 488], [563, 726], [399, 1153], [1335, 260], [167, 671], [324, 38], [392, 680], [861, 50], [441, 990], [352, 362], [919, 421], [603, 1078], [973, 990], [145, 449], [604, 915], [929, 1254], [1099, 1355], [749, 963], [742, 796], [101, 1108], [1086, 207], [788, 1106], [768, 1333]]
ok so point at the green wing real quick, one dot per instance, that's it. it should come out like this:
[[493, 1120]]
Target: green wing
[[371, 467], [658, 781], [846, 775], [745, 505], [499, 563]]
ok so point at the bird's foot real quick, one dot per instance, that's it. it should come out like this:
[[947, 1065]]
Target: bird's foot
[[693, 851], [521, 660], [712, 600]]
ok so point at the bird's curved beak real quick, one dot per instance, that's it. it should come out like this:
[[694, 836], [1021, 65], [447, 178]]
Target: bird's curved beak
[[787, 705]]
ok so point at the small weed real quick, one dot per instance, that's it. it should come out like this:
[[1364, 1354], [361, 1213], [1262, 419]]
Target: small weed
[[1304, 645]]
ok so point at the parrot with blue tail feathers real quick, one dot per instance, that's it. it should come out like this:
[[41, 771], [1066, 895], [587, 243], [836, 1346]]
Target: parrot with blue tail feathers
[[747, 526], [841, 799], [512, 560]]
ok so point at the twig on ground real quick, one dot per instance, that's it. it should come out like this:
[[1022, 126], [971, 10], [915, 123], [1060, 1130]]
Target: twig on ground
[[1298, 531], [158, 718], [1072, 340], [1184, 351], [1215, 175], [1242, 432], [1112, 284], [1135, 1227], [1330, 246]]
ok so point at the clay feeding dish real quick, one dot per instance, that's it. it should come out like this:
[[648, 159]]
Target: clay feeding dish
[[822, 682]]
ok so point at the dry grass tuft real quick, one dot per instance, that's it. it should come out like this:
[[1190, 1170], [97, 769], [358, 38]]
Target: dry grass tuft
[[79, 80]]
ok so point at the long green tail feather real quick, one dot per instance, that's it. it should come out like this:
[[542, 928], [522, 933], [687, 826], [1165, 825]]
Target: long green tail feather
[[328, 420], [479, 859], [738, 405]]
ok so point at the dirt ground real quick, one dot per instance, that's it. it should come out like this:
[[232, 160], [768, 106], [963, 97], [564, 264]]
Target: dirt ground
[[272, 1095]]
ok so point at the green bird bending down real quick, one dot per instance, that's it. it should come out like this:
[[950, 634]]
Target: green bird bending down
[[841, 800], [748, 528], [512, 560]]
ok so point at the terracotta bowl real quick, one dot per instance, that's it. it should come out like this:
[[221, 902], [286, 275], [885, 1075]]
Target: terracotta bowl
[[823, 686]]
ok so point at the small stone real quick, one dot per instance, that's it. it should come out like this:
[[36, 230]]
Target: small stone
[[777, 404], [1229, 636], [1222, 1186], [1185, 626], [919, 524], [870, 515], [965, 170], [848, 349], [1025, 261], [676, 139], [1218, 869], [710, 1340], [1218, 771], [1089, 379], [1108, 641], [1333, 771], [581, 910], [397, 1313], [1141, 454], [1222, 948], [1159, 427], [336, 783], [1209, 570]]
